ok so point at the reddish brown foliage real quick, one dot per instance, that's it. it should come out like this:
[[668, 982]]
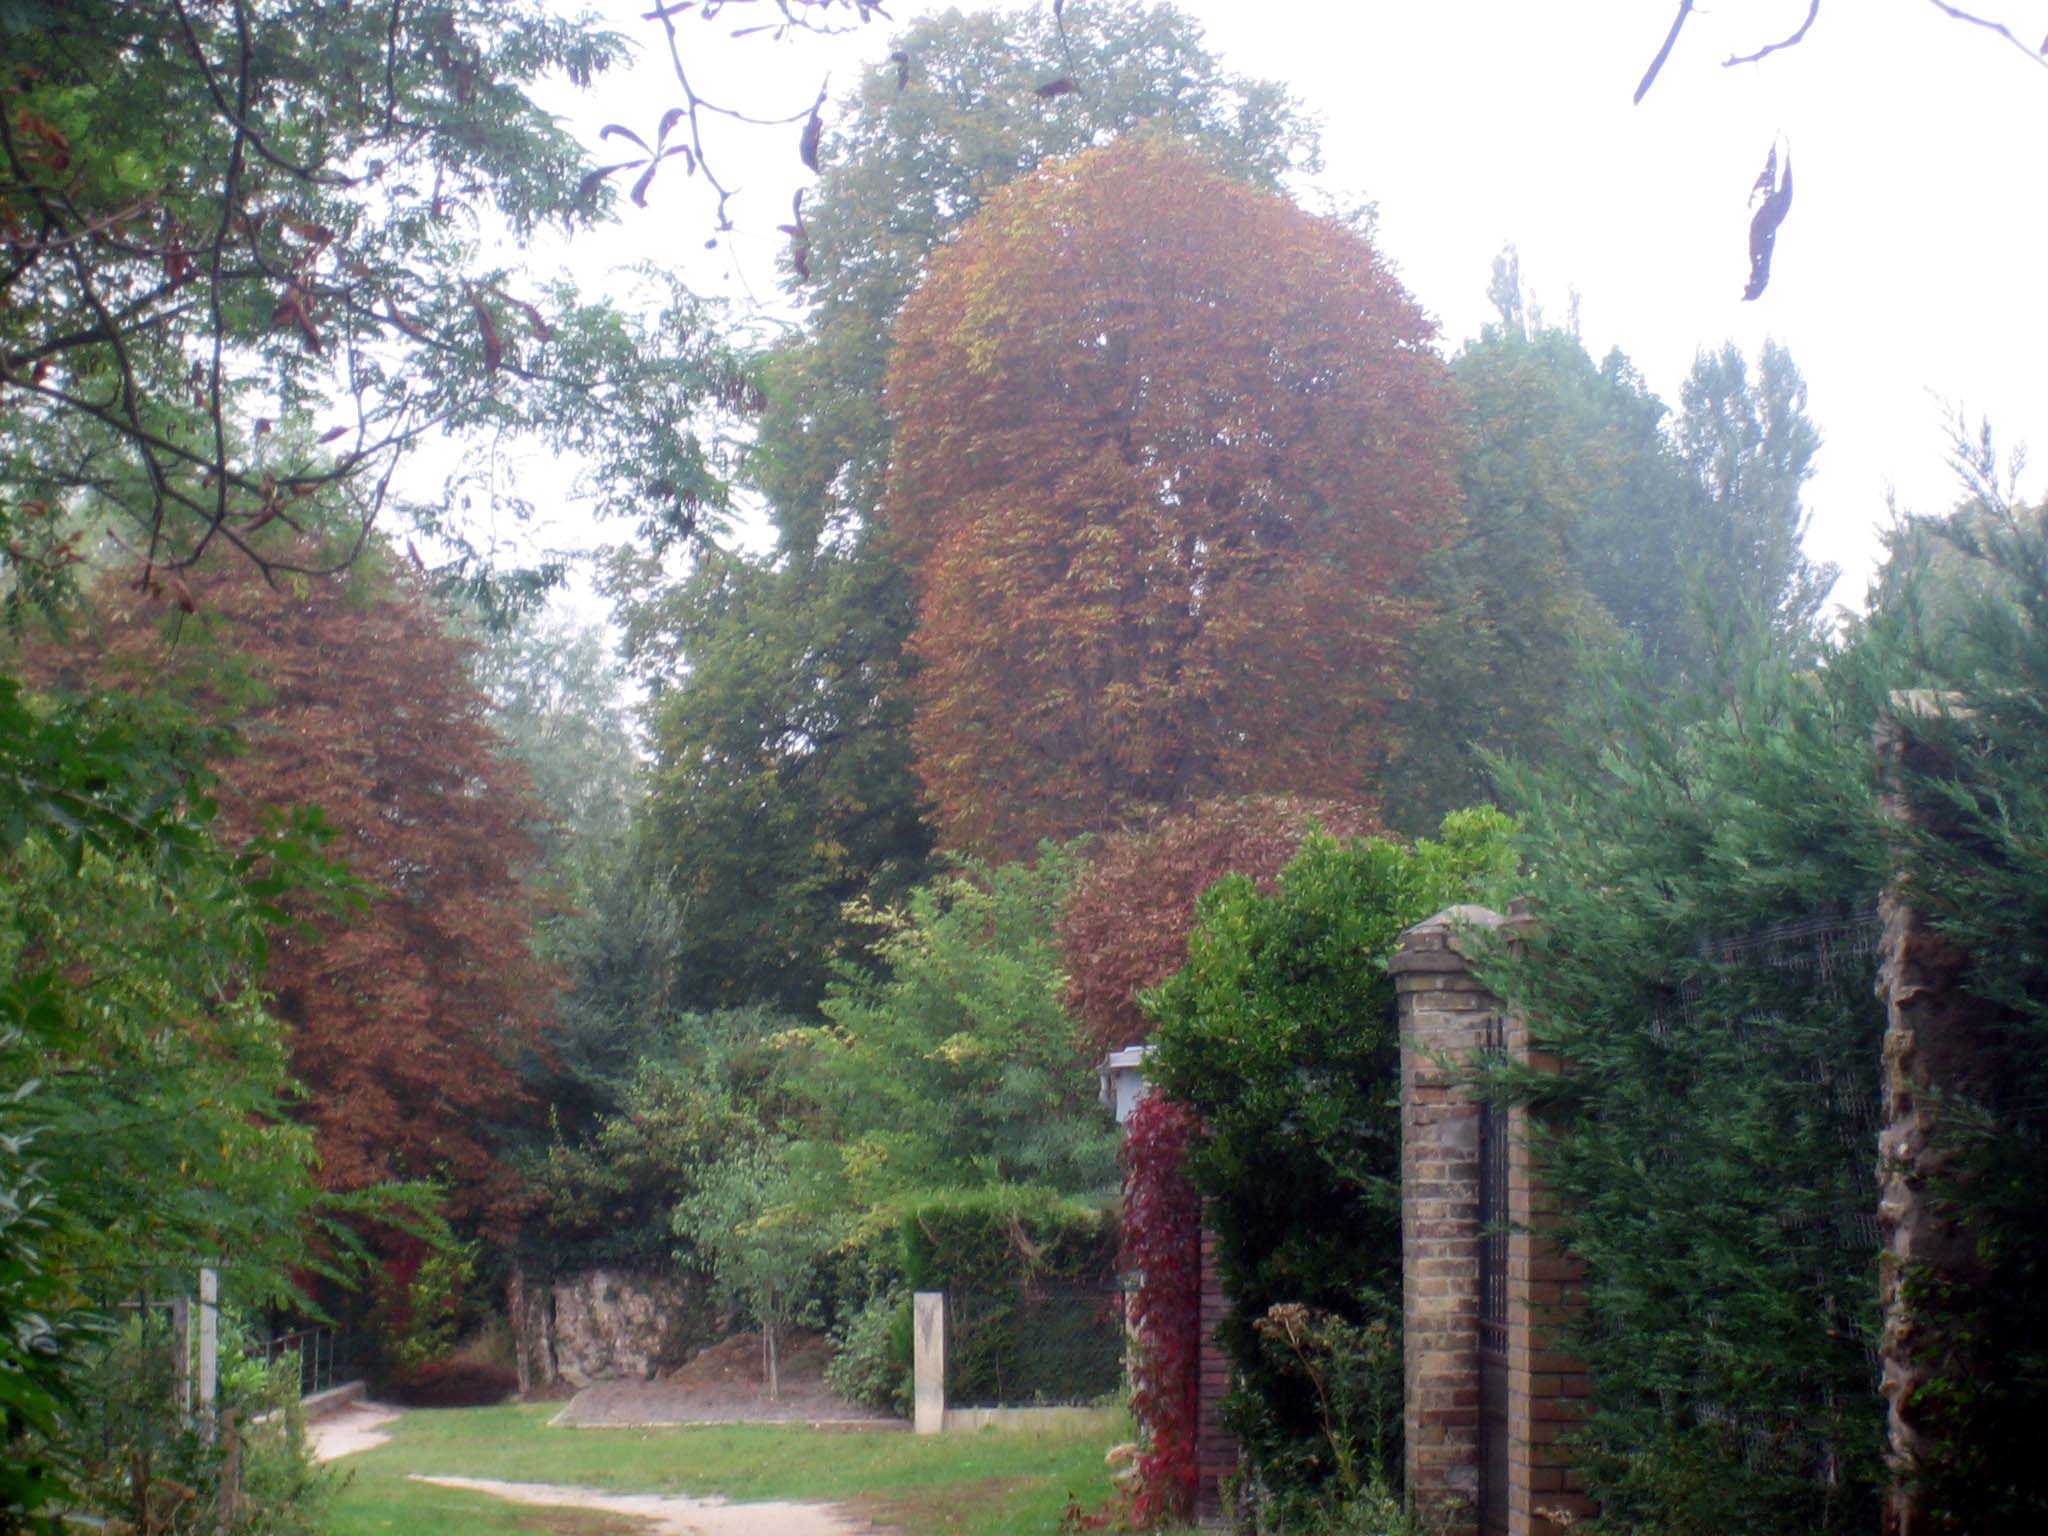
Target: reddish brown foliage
[[407, 1017], [1168, 451], [1125, 926]]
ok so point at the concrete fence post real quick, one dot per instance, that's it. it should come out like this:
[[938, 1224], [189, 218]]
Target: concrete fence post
[[928, 1362], [209, 1346]]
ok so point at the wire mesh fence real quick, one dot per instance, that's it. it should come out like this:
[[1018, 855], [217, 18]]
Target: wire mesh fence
[[1050, 1347]]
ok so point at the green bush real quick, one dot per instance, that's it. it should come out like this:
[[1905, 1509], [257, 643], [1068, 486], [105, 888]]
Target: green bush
[[146, 1462], [1029, 1276], [871, 1354], [1280, 1034]]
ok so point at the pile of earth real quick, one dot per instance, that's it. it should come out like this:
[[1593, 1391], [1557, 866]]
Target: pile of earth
[[740, 1361], [727, 1384]]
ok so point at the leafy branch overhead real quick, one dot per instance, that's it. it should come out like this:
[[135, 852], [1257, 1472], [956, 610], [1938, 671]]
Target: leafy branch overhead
[[255, 253]]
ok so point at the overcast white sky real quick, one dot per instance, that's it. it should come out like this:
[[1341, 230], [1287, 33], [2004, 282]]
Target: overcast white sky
[[1906, 273]]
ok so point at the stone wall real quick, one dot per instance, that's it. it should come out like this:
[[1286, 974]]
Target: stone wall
[[605, 1325]]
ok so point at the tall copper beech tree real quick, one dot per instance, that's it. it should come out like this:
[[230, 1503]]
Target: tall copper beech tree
[[408, 1020], [1168, 451]]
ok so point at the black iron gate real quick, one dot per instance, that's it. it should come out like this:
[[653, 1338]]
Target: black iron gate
[[1493, 1306]]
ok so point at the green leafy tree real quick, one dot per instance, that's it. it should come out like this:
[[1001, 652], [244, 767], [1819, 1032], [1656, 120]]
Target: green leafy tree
[[701, 1085], [1279, 1034], [145, 1097], [557, 706], [748, 1220], [263, 257], [1750, 447], [1546, 467], [955, 1063], [779, 789]]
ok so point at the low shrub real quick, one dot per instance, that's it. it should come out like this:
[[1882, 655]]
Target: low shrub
[[870, 1361], [452, 1383]]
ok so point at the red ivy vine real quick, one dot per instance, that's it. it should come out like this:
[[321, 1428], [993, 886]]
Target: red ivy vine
[[1163, 1247]]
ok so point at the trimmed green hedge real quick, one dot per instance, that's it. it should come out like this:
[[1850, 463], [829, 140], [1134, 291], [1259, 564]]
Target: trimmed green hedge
[[1030, 1279]]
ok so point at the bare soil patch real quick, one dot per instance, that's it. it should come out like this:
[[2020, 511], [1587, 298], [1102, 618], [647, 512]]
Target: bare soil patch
[[726, 1384]]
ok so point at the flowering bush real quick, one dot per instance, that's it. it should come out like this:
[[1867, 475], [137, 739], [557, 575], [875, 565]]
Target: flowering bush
[[1163, 1246]]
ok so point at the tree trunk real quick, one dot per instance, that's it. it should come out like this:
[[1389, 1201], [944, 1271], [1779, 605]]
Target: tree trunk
[[774, 1364]]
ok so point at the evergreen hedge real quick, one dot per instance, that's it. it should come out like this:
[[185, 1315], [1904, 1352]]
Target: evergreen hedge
[[1712, 1137], [1713, 1134], [1975, 856]]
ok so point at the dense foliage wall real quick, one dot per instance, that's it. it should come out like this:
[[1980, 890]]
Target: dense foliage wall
[[1712, 1137], [1973, 787]]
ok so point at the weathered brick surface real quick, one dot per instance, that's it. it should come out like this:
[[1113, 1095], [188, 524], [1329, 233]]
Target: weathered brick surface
[[1215, 1449], [1445, 1014]]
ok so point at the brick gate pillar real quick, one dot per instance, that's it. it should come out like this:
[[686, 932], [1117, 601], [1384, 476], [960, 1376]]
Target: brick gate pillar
[[1444, 1017], [1447, 1019]]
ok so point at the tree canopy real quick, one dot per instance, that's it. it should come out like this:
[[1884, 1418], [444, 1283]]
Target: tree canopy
[[407, 1022], [258, 251], [1168, 453], [780, 685]]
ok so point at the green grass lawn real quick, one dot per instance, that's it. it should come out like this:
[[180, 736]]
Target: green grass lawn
[[991, 1483]]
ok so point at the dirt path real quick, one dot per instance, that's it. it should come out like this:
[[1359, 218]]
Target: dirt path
[[356, 1427], [676, 1514]]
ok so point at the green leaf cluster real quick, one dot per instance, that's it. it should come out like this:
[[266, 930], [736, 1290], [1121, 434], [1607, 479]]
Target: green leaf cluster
[[955, 1064], [144, 1087]]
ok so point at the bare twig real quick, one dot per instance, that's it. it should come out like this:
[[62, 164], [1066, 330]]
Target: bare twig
[[1670, 42], [1812, 12], [1990, 26]]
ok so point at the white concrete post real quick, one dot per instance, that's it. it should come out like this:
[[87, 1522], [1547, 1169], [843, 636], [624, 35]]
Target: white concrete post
[[209, 1345], [928, 1361]]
